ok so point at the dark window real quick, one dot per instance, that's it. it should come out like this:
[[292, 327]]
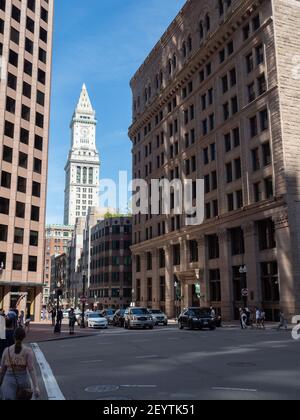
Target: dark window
[[43, 35], [237, 241], [10, 105], [28, 67], [39, 120], [15, 36], [215, 285], [193, 245], [20, 210], [266, 234], [35, 213], [25, 113], [41, 76], [21, 184], [3, 259], [19, 236], [42, 55], [32, 264], [27, 90], [30, 24], [13, 58], [34, 238], [176, 255], [3, 234], [12, 81], [7, 154], [16, 13], [5, 179], [36, 189], [38, 142], [37, 167], [4, 205], [213, 247], [23, 160], [40, 98], [270, 282], [17, 262], [24, 136], [29, 46], [267, 157]]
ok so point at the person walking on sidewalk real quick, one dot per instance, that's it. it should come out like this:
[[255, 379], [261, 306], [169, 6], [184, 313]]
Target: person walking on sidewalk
[[9, 336], [17, 365], [243, 319], [53, 316], [258, 318], [21, 321], [72, 321], [263, 319], [283, 322]]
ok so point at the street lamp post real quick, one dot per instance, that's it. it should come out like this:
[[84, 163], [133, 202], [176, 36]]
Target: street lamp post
[[83, 299]]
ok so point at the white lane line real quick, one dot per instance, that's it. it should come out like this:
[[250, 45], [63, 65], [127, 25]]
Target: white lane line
[[53, 391], [152, 356], [91, 361], [234, 389], [138, 386]]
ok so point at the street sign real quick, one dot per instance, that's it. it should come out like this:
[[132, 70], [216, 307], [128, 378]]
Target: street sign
[[198, 290], [245, 292]]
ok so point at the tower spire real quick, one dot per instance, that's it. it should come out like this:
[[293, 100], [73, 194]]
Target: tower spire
[[84, 105]]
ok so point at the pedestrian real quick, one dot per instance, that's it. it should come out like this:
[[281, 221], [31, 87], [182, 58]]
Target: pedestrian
[[9, 336], [53, 316], [12, 315], [248, 314], [283, 322], [44, 315], [17, 365], [72, 321], [258, 318], [243, 319], [263, 319], [2, 313], [21, 321], [60, 316], [212, 312], [27, 323]]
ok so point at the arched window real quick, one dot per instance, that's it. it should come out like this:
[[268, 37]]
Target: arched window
[[190, 43], [157, 81], [91, 176], [201, 31], [207, 22], [84, 180], [78, 177], [161, 78], [170, 66], [184, 50], [174, 61]]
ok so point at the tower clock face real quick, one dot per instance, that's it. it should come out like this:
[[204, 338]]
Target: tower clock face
[[84, 132]]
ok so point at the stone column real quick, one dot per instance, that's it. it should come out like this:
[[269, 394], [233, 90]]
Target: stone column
[[170, 291], [251, 261], [204, 272], [38, 305], [155, 280], [225, 272], [143, 279], [287, 281], [183, 255]]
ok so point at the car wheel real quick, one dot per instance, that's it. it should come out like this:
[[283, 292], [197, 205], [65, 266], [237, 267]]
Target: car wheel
[[125, 326], [151, 327], [180, 326], [212, 328], [129, 326]]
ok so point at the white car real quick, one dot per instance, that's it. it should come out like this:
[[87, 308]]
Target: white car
[[95, 320]]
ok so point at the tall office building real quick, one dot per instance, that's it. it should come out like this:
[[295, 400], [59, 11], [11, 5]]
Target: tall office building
[[218, 99], [25, 49], [82, 169]]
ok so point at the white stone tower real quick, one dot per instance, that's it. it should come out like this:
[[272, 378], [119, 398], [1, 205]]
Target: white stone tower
[[83, 166]]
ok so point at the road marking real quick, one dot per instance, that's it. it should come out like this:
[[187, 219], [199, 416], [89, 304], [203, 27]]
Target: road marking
[[152, 356], [138, 386], [91, 361], [234, 389], [53, 391]]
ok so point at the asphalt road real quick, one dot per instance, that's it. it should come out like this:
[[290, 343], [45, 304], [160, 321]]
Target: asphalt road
[[168, 364]]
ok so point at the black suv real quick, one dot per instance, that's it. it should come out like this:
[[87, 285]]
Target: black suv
[[196, 318]]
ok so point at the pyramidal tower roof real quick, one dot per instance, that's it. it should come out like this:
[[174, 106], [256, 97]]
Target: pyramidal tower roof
[[84, 105]]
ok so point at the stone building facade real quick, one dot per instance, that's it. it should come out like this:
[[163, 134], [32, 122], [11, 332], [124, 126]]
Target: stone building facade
[[218, 99], [25, 79]]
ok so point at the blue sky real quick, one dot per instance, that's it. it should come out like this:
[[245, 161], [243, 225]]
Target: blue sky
[[101, 43]]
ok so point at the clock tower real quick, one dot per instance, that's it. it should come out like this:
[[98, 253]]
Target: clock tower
[[83, 166]]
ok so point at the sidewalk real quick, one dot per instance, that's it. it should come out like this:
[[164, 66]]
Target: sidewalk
[[44, 331]]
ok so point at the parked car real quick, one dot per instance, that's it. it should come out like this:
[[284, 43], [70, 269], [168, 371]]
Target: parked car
[[95, 320], [196, 318], [138, 318], [159, 317], [118, 319], [108, 314]]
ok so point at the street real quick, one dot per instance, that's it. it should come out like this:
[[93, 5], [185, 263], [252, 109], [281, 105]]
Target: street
[[168, 364]]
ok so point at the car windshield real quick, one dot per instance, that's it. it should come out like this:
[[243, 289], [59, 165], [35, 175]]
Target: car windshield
[[110, 312], [156, 312], [201, 313], [141, 311], [94, 316]]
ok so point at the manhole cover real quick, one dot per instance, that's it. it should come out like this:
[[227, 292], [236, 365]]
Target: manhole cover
[[102, 388], [241, 364], [110, 398]]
